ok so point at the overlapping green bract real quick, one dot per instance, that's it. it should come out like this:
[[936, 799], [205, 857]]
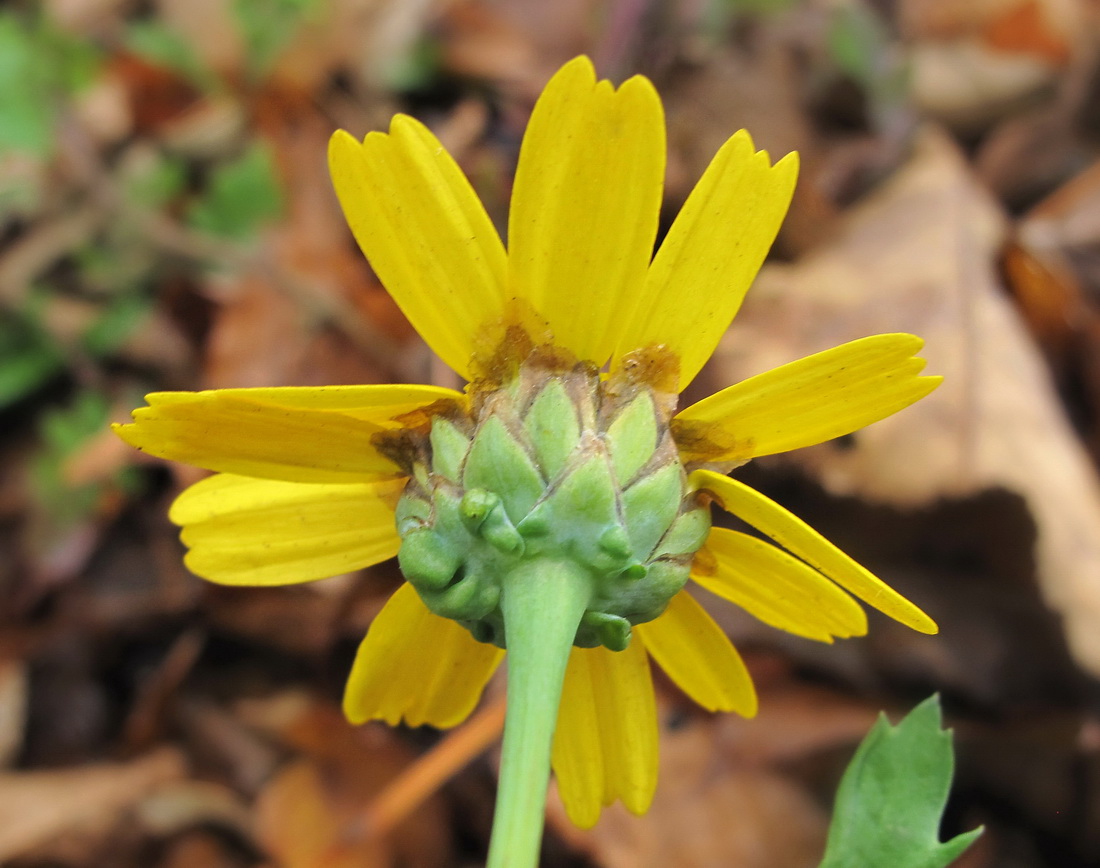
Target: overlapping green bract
[[554, 465], [892, 796]]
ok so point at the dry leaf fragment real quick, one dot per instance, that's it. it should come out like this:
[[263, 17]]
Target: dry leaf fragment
[[310, 815], [972, 62], [36, 807]]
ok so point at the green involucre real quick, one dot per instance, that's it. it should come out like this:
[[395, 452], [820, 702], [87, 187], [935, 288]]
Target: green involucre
[[555, 465]]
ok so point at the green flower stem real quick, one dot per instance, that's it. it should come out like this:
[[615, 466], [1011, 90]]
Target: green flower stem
[[542, 604]]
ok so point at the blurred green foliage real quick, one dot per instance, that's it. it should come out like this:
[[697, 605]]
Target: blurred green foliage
[[113, 277], [162, 46], [242, 195], [862, 47], [63, 431], [29, 357], [39, 67], [266, 27]]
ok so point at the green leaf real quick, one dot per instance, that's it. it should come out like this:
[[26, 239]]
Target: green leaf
[[63, 431], [857, 41], [241, 197], [892, 797], [758, 6], [156, 184], [117, 322], [26, 111], [165, 47], [38, 67], [28, 358], [267, 26], [862, 47]]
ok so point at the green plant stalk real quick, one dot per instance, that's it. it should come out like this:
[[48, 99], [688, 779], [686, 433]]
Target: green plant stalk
[[542, 604]]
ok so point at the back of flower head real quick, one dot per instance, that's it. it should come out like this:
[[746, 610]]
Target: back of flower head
[[556, 510]]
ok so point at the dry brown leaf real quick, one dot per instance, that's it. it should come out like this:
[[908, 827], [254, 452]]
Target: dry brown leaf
[[36, 807], [919, 255], [1054, 276], [1049, 297], [300, 824], [795, 721], [1022, 24], [972, 62], [187, 804], [13, 708], [311, 814]]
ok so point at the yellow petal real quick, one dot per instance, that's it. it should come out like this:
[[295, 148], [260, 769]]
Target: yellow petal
[[585, 205], [425, 232], [244, 531], [605, 744], [778, 589], [711, 255], [378, 403], [297, 435], [416, 667], [699, 657], [802, 540], [814, 399]]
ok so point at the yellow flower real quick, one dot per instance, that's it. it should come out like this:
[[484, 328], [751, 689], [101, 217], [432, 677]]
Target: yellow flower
[[308, 479]]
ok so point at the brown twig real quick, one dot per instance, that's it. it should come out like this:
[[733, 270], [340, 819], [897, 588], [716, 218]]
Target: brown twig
[[419, 781]]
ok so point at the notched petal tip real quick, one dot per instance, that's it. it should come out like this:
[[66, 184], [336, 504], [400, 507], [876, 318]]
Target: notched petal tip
[[125, 431], [585, 206], [342, 139], [742, 141], [344, 153], [710, 256], [576, 72]]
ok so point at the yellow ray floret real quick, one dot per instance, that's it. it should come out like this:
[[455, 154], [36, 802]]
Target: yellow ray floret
[[416, 667], [814, 399], [699, 657], [710, 256], [605, 745], [585, 205], [802, 540], [245, 531], [775, 587], [269, 433], [425, 233]]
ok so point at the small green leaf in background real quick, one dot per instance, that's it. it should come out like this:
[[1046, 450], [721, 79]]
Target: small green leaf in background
[[892, 796], [764, 6], [28, 357], [267, 27], [26, 117], [857, 39], [117, 322], [39, 66], [241, 196], [863, 48], [416, 68], [162, 46], [156, 182], [63, 431]]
